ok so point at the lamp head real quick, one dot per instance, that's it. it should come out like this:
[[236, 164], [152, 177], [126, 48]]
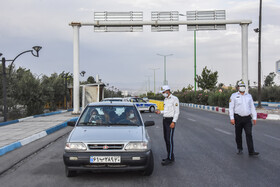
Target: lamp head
[[256, 30], [82, 73], [37, 49], [1, 54]]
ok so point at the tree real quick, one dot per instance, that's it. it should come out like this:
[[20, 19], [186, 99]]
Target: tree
[[91, 80], [207, 80], [53, 89], [26, 90], [269, 80]]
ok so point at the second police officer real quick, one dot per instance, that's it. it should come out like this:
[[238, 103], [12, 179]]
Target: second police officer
[[241, 107]]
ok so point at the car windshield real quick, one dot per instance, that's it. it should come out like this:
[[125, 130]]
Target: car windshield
[[110, 116]]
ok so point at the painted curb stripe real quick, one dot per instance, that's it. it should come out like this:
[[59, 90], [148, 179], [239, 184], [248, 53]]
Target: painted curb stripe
[[8, 148], [56, 128], [33, 138], [9, 122]]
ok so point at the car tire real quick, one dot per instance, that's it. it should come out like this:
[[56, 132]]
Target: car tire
[[70, 173], [149, 170], [152, 109]]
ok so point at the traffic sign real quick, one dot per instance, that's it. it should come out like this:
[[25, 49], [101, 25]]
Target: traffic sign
[[206, 15]]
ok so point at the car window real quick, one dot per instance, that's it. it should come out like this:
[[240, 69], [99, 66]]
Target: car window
[[110, 115], [141, 100], [133, 100]]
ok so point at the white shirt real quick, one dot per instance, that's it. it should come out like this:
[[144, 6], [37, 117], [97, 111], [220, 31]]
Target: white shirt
[[242, 105], [171, 107]]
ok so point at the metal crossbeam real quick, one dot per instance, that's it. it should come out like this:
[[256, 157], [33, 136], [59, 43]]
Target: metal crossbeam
[[110, 21]]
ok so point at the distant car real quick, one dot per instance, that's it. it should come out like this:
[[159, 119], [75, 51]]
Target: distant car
[[146, 99], [114, 99], [143, 105], [109, 137]]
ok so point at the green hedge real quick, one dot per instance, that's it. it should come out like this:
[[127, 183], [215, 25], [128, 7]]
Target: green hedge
[[221, 99], [213, 98]]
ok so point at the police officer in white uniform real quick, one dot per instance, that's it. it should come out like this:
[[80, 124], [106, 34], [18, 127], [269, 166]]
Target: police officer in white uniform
[[241, 112], [170, 117]]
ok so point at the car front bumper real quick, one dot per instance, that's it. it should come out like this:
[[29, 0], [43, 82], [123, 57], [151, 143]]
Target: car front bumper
[[130, 161]]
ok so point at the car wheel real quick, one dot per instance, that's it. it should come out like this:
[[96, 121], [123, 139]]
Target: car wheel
[[152, 109], [70, 173], [149, 170]]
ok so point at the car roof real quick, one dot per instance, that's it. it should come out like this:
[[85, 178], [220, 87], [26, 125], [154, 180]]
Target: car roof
[[111, 104]]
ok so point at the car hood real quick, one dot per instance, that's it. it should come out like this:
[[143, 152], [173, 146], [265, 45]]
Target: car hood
[[106, 134]]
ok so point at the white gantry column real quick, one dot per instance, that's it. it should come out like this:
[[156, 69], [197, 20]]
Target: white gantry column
[[76, 66], [244, 41]]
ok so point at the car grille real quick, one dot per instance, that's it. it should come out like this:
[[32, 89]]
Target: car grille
[[105, 146]]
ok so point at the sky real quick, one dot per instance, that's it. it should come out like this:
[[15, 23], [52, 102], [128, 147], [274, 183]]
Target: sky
[[125, 59]]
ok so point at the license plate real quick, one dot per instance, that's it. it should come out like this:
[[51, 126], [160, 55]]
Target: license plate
[[105, 159]]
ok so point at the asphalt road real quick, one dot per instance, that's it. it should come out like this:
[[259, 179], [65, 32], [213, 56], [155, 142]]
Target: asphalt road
[[205, 152]]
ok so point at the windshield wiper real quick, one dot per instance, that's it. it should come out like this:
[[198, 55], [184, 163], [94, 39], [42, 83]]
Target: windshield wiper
[[89, 123], [128, 124]]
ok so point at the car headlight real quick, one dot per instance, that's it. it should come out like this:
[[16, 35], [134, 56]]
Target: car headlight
[[136, 146], [76, 147]]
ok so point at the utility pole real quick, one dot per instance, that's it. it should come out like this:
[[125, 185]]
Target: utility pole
[[195, 60], [164, 80], [154, 79], [259, 58]]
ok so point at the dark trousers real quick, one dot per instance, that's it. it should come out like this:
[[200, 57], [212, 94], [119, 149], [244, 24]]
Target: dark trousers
[[246, 124], [168, 134]]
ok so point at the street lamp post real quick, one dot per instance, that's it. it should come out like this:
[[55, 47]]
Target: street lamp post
[[195, 60], [4, 75], [165, 81], [154, 79], [258, 30]]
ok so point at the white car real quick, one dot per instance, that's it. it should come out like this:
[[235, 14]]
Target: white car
[[109, 137]]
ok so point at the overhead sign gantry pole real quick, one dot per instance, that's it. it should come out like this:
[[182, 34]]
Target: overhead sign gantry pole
[[136, 24]]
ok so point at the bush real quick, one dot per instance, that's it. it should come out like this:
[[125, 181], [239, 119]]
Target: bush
[[213, 98], [269, 93]]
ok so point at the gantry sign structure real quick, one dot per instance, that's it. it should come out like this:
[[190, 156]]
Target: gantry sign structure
[[160, 22]]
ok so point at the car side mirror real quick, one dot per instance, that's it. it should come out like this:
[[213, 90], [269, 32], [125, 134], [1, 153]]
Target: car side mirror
[[71, 123], [149, 123]]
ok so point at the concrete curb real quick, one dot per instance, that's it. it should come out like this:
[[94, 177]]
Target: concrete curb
[[35, 116], [18, 144], [225, 111]]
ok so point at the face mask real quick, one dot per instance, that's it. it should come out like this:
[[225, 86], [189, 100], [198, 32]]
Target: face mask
[[165, 95], [131, 115], [242, 89]]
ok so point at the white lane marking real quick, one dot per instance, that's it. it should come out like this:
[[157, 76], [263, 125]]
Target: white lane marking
[[225, 132], [272, 137], [191, 119]]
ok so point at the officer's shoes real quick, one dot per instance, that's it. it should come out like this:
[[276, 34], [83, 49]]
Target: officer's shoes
[[166, 162], [239, 152], [164, 159], [254, 153]]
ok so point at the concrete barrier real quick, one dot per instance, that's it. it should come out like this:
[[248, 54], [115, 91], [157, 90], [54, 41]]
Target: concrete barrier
[[226, 111]]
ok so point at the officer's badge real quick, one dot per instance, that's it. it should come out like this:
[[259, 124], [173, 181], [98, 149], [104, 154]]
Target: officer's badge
[[176, 104]]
